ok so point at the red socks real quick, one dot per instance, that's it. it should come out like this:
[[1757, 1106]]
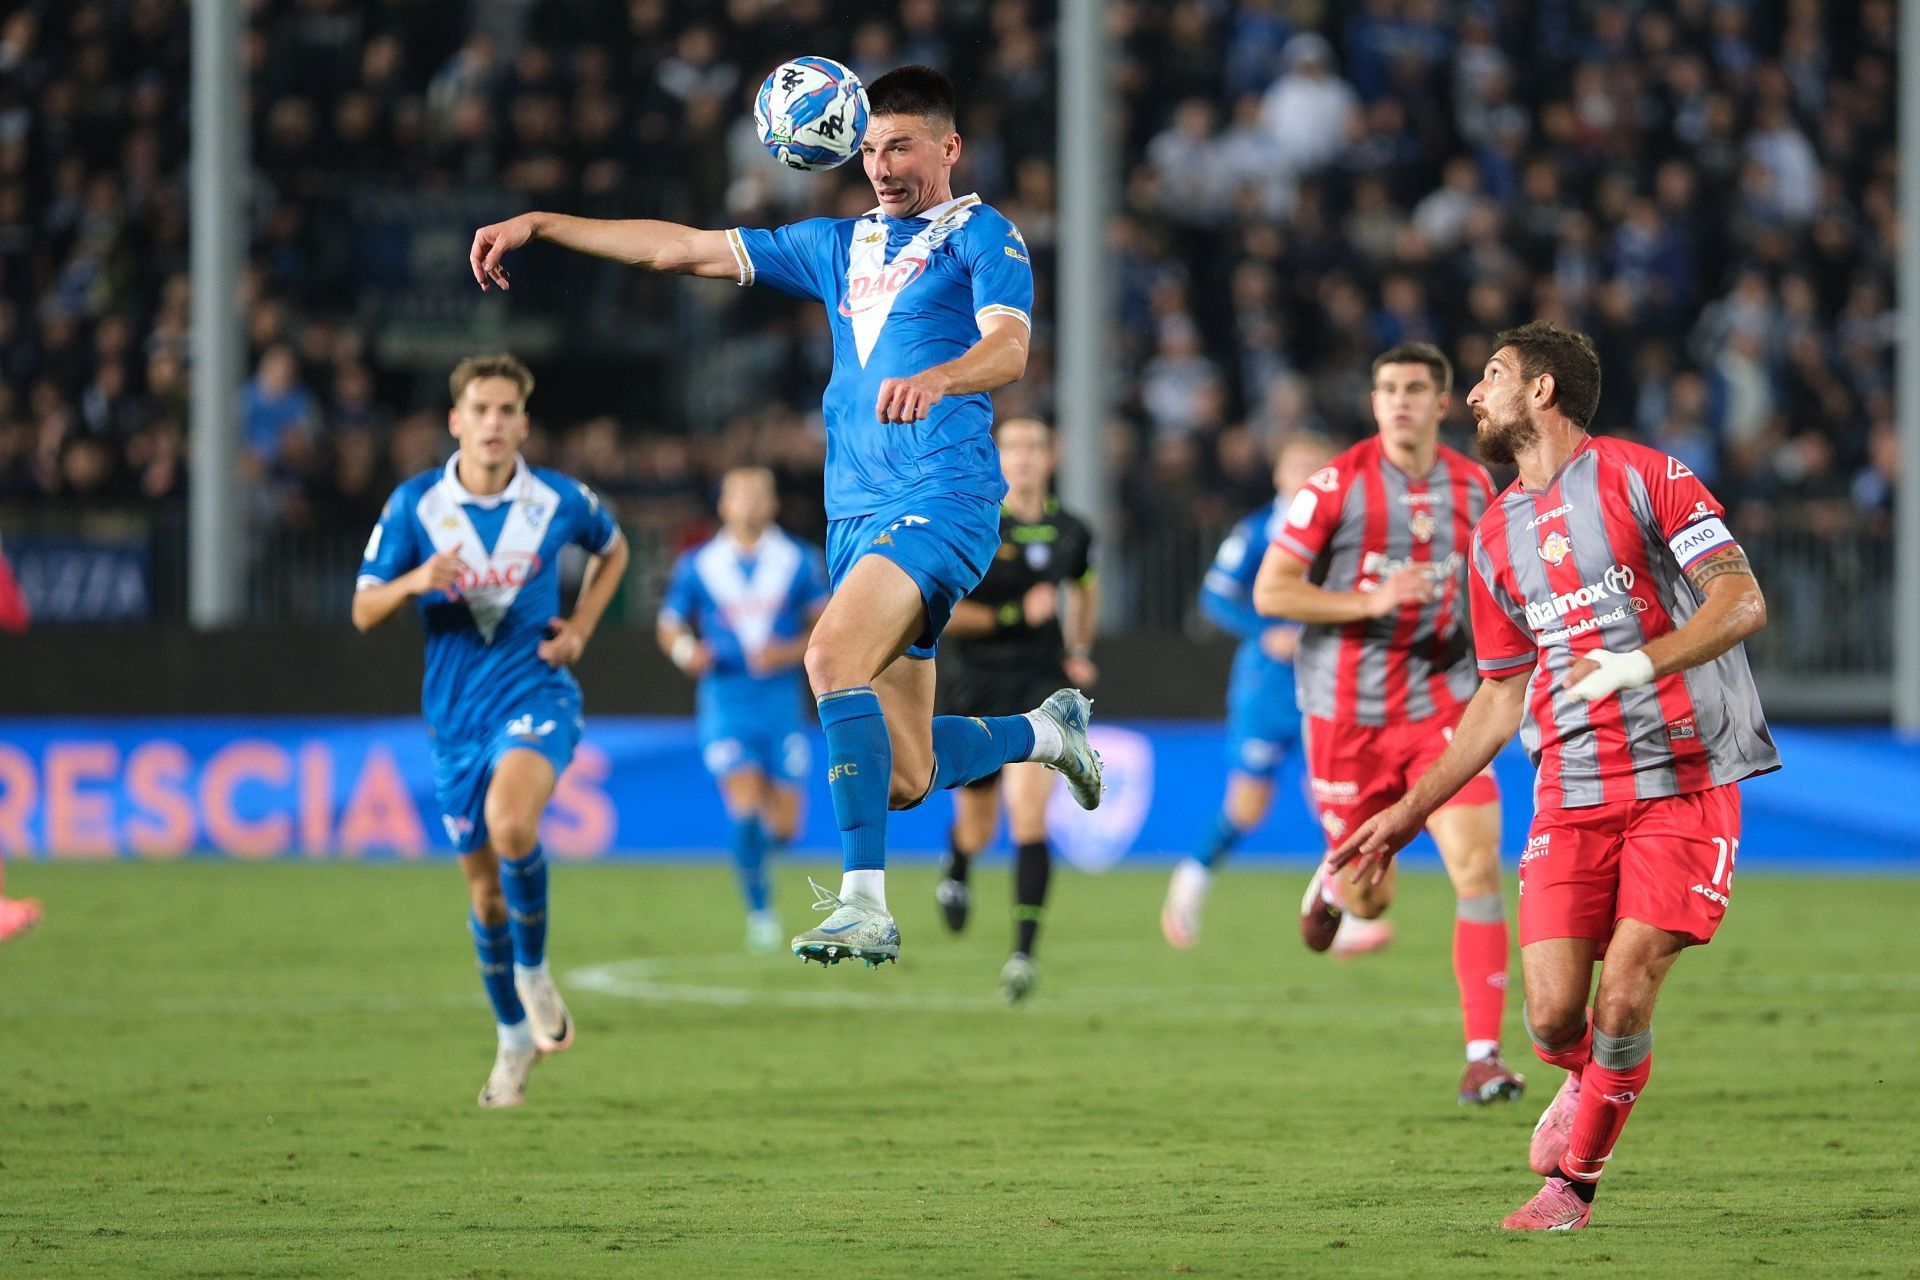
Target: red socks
[[1607, 1095], [1480, 967]]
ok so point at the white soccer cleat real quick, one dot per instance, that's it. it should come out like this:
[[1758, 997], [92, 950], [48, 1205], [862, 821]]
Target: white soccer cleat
[[1079, 763], [507, 1083], [1186, 900], [546, 1012], [1018, 977], [854, 930], [764, 934]]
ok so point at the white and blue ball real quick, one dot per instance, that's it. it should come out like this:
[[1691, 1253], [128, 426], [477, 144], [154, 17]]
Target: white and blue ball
[[812, 113]]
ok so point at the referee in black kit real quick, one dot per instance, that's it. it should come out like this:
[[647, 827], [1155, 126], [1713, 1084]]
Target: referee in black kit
[[1025, 631]]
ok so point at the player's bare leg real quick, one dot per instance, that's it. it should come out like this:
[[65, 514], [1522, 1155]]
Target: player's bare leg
[[517, 796], [867, 709], [1245, 807], [1617, 1047], [747, 794], [976, 816], [1468, 837], [1029, 787]]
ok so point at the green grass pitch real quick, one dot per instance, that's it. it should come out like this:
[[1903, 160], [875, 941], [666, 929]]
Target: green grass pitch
[[218, 1069]]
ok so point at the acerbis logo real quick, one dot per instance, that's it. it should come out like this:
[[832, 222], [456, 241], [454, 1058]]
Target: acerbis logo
[[1544, 613], [1551, 514]]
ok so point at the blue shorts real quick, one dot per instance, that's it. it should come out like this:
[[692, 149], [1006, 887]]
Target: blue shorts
[[1260, 736], [783, 757], [462, 771], [944, 541]]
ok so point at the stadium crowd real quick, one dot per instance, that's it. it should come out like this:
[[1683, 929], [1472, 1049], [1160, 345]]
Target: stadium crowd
[[1706, 187]]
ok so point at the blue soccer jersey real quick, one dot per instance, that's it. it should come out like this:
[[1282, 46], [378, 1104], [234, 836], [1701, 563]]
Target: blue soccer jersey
[[483, 636], [902, 295], [1263, 718], [737, 601]]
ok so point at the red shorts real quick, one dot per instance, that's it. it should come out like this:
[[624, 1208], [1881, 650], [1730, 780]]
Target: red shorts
[[1665, 862], [1356, 770]]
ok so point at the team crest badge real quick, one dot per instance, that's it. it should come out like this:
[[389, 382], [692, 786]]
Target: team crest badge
[[1555, 548], [1423, 525]]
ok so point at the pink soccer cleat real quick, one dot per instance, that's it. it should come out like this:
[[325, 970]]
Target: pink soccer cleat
[[1554, 1207], [1555, 1129], [17, 915]]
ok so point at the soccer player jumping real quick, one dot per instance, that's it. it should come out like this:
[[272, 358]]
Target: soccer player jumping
[[1371, 555], [736, 617], [477, 546], [1609, 605], [928, 298]]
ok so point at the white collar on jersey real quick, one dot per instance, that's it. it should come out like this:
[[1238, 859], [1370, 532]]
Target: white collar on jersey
[[768, 537], [934, 214], [516, 484]]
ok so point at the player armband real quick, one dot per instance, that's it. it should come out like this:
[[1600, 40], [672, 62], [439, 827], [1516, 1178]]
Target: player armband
[[1700, 540]]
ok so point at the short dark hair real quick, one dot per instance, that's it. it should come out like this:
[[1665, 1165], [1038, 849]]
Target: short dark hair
[[913, 90], [1568, 355], [1418, 353]]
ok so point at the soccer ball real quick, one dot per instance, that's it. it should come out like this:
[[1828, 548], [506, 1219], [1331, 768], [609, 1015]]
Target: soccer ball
[[811, 113]]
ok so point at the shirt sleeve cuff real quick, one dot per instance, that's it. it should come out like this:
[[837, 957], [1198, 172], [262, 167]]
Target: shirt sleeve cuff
[[1293, 547], [1000, 309], [366, 580], [741, 258], [1507, 665]]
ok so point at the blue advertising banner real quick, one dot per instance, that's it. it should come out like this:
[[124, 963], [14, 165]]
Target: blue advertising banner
[[339, 788]]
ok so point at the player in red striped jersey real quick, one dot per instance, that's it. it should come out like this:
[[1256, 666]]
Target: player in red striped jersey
[[1372, 556], [1609, 606]]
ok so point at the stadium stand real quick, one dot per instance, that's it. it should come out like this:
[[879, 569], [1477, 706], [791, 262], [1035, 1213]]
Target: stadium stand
[[1707, 188]]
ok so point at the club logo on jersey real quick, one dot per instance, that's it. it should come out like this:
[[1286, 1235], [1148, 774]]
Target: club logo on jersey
[[869, 289], [535, 512], [1335, 824], [1677, 470], [1555, 548], [1423, 526]]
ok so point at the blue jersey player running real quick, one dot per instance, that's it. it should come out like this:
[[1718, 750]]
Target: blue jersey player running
[[476, 545], [1263, 722], [738, 612], [928, 297]]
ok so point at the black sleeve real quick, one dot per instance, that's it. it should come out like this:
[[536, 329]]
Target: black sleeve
[[1076, 559]]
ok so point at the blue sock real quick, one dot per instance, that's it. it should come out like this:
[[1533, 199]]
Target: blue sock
[[1220, 841], [523, 882], [495, 949], [750, 860], [859, 766], [966, 748]]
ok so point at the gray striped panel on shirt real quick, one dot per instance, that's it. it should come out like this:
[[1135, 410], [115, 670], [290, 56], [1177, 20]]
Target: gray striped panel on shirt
[[1316, 662], [1726, 703], [1641, 717], [1579, 752], [1370, 675]]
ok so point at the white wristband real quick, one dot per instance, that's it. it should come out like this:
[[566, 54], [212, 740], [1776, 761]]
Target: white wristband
[[683, 650]]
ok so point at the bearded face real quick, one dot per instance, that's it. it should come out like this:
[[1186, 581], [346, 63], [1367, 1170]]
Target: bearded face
[[1503, 427]]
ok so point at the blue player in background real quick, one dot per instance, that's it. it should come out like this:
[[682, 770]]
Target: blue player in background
[[1263, 718], [928, 297], [477, 546], [738, 613]]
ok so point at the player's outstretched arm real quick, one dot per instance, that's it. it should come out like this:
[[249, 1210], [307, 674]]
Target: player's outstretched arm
[[602, 579], [639, 242], [1000, 357], [1733, 609], [1491, 719], [373, 605], [1282, 591]]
